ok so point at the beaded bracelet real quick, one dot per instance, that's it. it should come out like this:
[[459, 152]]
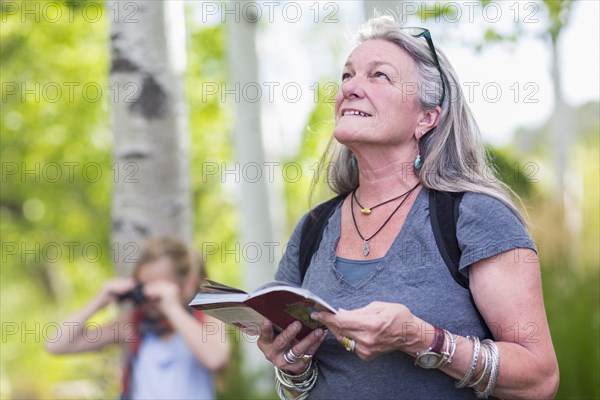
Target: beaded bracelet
[[476, 346]]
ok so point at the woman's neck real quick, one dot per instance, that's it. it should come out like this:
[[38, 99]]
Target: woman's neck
[[383, 178]]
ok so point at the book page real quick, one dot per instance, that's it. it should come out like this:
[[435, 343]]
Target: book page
[[239, 316], [217, 298]]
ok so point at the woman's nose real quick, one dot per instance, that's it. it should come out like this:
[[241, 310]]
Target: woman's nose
[[353, 87]]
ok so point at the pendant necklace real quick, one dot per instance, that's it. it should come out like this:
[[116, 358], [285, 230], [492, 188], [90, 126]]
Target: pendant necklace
[[366, 247], [368, 210]]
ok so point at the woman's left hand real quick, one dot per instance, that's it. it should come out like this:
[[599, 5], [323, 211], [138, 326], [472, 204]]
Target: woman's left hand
[[377, 328]]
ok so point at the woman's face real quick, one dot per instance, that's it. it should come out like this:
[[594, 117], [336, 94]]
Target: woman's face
[[377, 101]]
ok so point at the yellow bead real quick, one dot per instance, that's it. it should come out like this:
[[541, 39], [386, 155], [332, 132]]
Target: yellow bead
[[365, 211]]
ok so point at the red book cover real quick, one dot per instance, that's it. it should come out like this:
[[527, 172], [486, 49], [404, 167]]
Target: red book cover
[[278, 302]]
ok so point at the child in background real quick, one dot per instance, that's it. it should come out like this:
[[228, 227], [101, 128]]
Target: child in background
[[171, 351]]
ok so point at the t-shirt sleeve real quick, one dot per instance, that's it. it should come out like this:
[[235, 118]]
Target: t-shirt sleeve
[[289, 270], [487, 227]]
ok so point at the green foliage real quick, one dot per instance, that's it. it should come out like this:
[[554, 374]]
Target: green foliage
[[520, 177], [559, 12], [299, 193], [216, 217], [571, 300], [56, 182], [44, 134], [426, 12], [57, 178]]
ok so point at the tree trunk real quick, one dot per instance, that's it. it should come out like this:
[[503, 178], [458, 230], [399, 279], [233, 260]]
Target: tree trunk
[[256, 222], [151, 195]]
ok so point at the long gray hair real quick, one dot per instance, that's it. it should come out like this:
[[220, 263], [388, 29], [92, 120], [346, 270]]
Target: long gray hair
[[453, 153]]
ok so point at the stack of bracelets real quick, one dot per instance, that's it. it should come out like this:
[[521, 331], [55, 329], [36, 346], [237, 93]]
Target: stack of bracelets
[[302, 383], [488, 352]]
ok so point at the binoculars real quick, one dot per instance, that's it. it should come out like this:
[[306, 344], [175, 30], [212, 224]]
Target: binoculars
[[136, 295]]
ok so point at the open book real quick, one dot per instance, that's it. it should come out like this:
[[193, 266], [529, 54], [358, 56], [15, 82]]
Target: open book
[[279, 302]]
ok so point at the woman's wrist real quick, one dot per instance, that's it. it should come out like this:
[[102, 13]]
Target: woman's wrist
[[418, 336], [296, 386]]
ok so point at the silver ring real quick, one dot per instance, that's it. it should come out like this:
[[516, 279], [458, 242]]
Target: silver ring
[[290, 357], [352, 345]]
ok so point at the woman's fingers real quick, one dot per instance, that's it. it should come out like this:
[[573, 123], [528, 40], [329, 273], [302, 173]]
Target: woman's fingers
[[319, 336], [276, 347], [276, 344], [342, 322], [300, 353], [266, 333]]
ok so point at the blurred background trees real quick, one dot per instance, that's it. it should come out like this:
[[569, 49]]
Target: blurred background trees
[[59, 176]]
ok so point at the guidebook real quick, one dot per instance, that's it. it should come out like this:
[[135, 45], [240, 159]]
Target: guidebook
[[279, 302]]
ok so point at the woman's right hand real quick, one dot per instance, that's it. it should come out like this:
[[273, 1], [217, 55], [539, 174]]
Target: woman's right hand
[[114, 288], [274, 347]]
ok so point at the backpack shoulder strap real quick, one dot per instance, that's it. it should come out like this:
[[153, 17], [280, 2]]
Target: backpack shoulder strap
[[444, 211], [312, 231]]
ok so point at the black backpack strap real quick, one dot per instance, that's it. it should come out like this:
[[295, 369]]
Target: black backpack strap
[[443, 211], [312, 231]]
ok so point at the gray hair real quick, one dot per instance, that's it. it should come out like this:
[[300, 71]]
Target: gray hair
[[453, 153]]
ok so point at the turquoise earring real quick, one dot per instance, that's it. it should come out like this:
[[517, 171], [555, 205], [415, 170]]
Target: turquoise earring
[[418, 162], [353, 161]]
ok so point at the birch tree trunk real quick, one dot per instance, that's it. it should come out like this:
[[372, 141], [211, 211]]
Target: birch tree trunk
[[255, 204], [151, 194]]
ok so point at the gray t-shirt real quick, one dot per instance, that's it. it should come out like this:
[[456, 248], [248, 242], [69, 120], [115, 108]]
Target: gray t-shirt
[[412, 273]]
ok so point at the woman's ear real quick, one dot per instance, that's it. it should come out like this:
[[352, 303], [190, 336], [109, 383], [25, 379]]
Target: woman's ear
[[427, 121]]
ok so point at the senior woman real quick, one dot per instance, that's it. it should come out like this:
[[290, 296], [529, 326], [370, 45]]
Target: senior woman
[[405, 328]]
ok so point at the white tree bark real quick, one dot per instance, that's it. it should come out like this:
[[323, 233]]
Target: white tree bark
[[257, 225], [151, 195]]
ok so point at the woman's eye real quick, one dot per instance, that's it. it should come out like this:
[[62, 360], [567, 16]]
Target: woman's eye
[[379, 74], [345, 76]]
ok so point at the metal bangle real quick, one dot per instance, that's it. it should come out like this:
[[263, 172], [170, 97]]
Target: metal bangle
[[308, 385], [449, 350], [486, 356], [281, 380], [301, 376], [452, 348], [291, 384], [303, 386], [283, 396], [476, 346], [494, 369]]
